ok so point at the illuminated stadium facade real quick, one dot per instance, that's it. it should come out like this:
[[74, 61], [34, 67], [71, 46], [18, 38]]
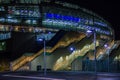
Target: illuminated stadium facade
[[62, 25]]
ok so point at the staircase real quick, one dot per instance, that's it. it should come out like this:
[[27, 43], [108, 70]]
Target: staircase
[[56, 38], [65, 41], [106, 51], [63, 62]]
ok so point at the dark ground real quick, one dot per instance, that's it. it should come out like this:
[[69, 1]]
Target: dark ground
[[59, 76]]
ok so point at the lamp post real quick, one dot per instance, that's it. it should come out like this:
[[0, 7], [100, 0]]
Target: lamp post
[[71, 49], [108, 62], [108, 59], [45, 62], [94, 41], [44, 55], [95, 51], [108, 51]]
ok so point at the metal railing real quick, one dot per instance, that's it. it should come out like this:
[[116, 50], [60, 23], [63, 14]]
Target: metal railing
[[102, 66]]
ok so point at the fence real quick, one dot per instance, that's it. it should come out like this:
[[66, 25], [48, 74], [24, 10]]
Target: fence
[[101, 66]]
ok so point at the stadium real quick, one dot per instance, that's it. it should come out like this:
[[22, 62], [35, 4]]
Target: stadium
[[41, 34]]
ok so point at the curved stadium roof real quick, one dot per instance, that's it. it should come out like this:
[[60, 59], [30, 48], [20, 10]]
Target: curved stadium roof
[[57, 15]]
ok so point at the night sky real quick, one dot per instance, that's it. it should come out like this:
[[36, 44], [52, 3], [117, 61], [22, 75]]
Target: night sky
[[108, 9]]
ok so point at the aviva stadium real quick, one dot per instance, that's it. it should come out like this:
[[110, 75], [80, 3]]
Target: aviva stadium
[[39, 34]]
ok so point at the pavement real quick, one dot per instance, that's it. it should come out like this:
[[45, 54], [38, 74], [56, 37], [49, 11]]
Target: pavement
[[61, 75]]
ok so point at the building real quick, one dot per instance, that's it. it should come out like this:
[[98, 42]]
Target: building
[[52, 35]]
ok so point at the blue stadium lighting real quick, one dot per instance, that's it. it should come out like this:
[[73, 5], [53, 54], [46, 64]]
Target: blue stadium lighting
[[57, 16], [65, 18], [62, 17], [69, 18], [49, 15], [76, 19]]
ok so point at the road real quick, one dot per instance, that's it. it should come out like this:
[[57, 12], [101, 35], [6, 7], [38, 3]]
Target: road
[[28, 75]]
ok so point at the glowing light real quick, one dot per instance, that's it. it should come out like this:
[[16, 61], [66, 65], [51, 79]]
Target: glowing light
[[89, 31], [49, 15], [9, 16], [40, 39], [71, 49], [12, 20], [73, 24], [16, 29], [2, 19], [62, 17], [34, 22]]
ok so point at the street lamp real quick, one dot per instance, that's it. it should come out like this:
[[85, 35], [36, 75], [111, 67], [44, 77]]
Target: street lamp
[[44, 39], [108, 58], [44, 56], [108, 51], [95, 60], [72, 49]]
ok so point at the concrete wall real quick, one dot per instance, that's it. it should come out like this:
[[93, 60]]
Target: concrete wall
[[50, 59], [76, 65], [39, 61]]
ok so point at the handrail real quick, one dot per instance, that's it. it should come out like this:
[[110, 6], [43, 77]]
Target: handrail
[[105, 50], [60, 43], [62, 63]]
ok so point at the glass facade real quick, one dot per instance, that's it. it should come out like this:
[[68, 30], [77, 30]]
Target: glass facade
[[26, 15], [59, 16], [64, 18], [66, 23]]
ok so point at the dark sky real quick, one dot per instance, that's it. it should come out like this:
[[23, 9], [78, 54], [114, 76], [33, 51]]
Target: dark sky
[[108, 9]]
